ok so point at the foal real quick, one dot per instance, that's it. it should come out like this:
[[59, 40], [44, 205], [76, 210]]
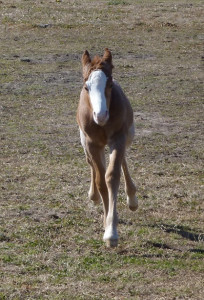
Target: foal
[[105, 117]]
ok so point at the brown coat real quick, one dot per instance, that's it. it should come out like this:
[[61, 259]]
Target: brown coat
[[117, 133]]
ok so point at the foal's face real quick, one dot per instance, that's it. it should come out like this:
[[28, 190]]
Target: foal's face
[[97, 75], [98, 88]]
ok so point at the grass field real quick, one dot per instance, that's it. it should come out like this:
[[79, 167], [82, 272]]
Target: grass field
[[50, 234]]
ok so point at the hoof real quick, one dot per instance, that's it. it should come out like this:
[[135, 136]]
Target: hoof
[[111, 243], [133, 208], [111, 237], [132, 203]]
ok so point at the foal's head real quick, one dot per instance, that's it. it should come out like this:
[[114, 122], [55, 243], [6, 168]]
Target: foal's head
[[97, 75]]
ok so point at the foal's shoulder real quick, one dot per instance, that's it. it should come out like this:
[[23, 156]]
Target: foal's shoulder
[[116, 85], [118, 92]]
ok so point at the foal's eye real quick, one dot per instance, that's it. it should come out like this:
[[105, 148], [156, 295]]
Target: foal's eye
[[86, 88]]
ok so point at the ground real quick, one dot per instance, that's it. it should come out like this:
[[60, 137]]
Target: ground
[[50, 234]]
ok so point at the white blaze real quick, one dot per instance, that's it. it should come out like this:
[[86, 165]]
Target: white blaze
[[96, 85]]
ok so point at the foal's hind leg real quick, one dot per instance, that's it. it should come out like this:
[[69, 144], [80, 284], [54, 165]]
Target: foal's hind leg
[[129, 187]]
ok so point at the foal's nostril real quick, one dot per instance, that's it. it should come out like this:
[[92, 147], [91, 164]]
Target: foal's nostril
[[100, 117]]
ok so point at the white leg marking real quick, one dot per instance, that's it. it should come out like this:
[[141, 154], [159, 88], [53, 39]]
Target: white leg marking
[[111, 236]]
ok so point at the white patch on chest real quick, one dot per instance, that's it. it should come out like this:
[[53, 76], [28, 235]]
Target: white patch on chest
[[96, 85]]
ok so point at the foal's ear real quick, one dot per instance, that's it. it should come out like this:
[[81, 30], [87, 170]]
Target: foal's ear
[[107, 56], [85, 58]]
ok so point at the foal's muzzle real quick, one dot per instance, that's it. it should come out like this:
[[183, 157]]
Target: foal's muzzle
[[101, 118]]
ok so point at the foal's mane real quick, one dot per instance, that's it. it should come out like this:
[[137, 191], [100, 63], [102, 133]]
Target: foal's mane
[[98, 63]]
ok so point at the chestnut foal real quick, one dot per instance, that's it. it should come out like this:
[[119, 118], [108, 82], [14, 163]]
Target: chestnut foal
[[105, 117]]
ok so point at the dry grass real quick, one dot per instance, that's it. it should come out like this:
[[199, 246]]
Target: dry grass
[[50, 244]]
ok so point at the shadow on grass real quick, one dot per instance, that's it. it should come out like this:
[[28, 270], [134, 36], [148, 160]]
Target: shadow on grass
[[181, 230], [165, 246], [186, 233]]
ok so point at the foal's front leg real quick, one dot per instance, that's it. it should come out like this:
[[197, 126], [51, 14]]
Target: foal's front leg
[[112, 181], [93, 191], [96, 156]]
